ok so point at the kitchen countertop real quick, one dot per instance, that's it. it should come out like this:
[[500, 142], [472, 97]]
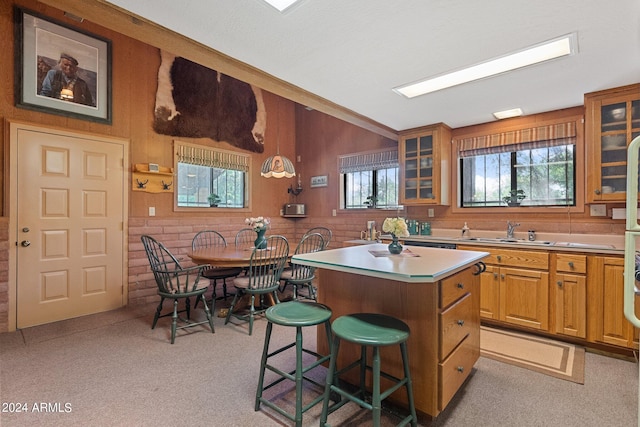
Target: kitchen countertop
[[595, 243], [426, 264]]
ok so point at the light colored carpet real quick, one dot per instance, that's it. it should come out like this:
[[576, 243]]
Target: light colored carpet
[[555, 358]]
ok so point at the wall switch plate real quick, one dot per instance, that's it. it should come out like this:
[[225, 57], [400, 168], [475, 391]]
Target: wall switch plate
[[431, 213], [598, 210], [152, 211]]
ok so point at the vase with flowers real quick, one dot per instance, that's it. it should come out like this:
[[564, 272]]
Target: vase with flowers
[[260, 226], [397, 227]]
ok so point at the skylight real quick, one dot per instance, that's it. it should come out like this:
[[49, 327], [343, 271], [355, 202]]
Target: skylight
[[556, 48]]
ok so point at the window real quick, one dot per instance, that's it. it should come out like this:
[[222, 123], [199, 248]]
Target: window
[[369, 175], [494, 167], [202, 171]]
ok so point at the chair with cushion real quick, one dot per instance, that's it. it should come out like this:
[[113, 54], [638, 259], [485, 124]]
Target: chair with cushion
[[324, 232], [301, 275], [262, 279], [175, 282], [208, 239]]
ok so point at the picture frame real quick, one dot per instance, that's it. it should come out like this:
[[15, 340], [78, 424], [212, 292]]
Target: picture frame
[[319, 181], [61, 69]]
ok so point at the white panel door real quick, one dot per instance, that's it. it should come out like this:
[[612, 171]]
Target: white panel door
[[70, 220]]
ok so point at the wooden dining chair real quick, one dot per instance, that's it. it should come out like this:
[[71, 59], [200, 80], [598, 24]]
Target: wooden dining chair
[[262, 279], [325, 232], [299, 275], [245, 238], [208, 239], [176, 283]]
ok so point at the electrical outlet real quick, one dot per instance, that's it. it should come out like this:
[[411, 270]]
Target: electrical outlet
[[598, 210], [431, 213], [152, 211], [334, 212]]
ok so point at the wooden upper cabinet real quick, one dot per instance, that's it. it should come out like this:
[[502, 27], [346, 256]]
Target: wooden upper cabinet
[[612, 121], [424, 165]]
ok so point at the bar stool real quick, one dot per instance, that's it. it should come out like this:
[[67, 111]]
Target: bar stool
[[368, 330], [297, 314]]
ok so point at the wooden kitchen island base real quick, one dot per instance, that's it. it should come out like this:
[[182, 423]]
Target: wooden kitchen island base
[[444, 318]]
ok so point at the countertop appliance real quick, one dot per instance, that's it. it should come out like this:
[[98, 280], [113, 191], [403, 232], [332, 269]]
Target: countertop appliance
[[295, 209], [631, 234]]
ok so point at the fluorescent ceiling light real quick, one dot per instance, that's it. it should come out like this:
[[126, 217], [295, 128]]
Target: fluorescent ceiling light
[[552, 49], [514, 112], [281, 4]]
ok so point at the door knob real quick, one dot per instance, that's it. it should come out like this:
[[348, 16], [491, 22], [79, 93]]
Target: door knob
[[25, 243]]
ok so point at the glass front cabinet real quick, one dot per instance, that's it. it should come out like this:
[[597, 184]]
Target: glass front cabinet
[[424, 165], [613, 120]]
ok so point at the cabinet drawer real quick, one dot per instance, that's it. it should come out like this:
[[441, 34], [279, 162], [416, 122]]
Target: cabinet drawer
[[454, 287], [517, 258], [570, 263], [454, 370], [455, 325]]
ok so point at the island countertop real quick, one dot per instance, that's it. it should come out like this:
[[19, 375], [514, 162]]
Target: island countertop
[[413, 265]]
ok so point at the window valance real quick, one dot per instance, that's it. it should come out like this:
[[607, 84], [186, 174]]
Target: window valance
[[371, 160], [521, 139], [211, 157]]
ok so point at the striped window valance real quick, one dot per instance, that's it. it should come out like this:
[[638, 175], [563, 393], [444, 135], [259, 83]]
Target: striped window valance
[[522, 139], [211, 157], [371, 160]]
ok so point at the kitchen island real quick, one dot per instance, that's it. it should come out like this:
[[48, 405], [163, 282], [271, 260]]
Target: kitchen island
[[434, 291]]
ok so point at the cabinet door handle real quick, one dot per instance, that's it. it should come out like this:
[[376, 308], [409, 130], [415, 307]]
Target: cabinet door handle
[[460, 369], [495, 275], [559, 283], [571, 264], [460, 285], [499, 258], [502, 276], [460, 322]]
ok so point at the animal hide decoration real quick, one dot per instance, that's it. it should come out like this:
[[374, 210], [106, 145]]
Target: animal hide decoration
[[195, 101]]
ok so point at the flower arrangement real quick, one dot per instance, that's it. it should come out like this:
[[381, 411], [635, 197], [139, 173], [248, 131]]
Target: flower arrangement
[[395, 226], [258, 224]]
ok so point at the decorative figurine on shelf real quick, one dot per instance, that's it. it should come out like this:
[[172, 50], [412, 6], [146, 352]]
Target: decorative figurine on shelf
[[398, 228], [214, 199], [260, 226]]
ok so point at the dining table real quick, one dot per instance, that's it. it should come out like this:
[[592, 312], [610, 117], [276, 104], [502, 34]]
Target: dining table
[[222, 256]]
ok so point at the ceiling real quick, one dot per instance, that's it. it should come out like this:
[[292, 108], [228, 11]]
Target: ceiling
[[352, 53]]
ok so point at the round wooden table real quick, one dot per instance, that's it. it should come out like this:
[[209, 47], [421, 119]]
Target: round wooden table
[[222, 256]]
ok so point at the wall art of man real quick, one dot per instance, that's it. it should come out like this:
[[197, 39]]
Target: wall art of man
[[63, 82]]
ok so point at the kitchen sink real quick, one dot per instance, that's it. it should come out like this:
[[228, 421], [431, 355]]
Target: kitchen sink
[[506, 240]]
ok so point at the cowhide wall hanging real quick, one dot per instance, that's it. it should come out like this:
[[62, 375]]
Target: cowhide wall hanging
[[195, 101]]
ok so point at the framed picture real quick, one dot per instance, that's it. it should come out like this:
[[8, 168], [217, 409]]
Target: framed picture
[[319, 181], [61, 70]]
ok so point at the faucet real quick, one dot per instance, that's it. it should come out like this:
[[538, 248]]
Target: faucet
[[510, 228]]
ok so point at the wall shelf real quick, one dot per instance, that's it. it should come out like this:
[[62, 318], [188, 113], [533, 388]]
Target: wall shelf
[[142, 179]]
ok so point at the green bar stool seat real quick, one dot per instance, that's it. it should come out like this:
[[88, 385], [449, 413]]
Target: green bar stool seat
[[368, 330], [299, 315]]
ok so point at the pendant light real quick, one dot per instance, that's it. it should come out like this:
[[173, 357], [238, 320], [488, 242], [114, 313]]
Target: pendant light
[[278, 166]]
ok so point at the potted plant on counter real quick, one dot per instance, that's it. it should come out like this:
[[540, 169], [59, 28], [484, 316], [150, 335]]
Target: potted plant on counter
[[514, 197], [371, 201], [214, 199]]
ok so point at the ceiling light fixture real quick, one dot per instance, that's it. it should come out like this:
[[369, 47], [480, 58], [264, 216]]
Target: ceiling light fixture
[[281, 5], [278, 166], [514, 112], [556, 48]]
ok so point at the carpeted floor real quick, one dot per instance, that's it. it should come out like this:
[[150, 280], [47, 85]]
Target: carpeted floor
[[550, 357], [111, 369]]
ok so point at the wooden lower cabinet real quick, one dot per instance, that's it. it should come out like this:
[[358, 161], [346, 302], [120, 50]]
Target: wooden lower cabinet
[[510, 291], [444, 318], [569, 294], [606, 304]]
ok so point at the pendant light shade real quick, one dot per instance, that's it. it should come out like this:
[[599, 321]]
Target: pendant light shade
[[278, 167]]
